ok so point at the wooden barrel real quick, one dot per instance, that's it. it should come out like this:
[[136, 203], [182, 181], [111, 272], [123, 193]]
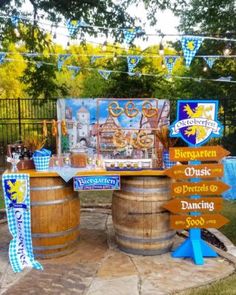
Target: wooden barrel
[[141, 224], [55, 216]]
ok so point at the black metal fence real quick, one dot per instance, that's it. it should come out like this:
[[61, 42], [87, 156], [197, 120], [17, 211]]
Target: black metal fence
[[20, 118]]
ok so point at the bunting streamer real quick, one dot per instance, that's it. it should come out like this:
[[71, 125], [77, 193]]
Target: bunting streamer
[[15, 20], [2, 57], [74, 25], [74, 69], [94, 58], [170, 62], [16, 188], [210, 61], [132, 61], [104, 73], [129, 35], [61, 60], [190, 46]]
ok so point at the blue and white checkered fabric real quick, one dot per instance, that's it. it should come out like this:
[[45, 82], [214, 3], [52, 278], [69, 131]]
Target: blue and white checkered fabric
[[210, 60], [190, 46], [132, 62], [166, 160], [170, 62], [21, 244], [41, 163], [129, 35], [74, 25]]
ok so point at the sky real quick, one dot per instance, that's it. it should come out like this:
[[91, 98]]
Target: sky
[[166, 23]]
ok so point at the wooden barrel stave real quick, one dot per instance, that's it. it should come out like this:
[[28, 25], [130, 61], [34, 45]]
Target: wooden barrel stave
[[55, 210], [141, 224]]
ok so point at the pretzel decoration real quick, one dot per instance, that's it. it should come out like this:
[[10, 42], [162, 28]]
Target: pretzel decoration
[[119, 139], [130, 109], [114, 109], [143, 141], [54, 128], [63, 127], [45, 130], [148, 110]]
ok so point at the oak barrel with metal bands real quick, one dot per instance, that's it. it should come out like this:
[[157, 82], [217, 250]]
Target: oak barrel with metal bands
[[141, 224], [55, 217]]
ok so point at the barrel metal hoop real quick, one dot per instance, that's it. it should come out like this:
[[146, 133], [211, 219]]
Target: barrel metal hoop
[[47, 188], [145, 252], [56, 234], [54, 202], [57, 254], [54, 247], [141, 240], [147, 190]]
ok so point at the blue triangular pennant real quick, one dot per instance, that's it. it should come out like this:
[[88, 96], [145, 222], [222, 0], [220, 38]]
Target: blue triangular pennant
[[15, 20], [104, 73], [94, 58], [129, 35], [190, 46], [2, 57], [132, 61], [74, 69], [61, 60], [170, 62], [74, 25], [210, 60]]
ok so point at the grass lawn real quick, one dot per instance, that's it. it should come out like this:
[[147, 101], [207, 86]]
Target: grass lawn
[[223, 287], [229, 211]]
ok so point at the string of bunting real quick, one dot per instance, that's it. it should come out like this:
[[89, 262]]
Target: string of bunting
[[132, 60], [129, 33], [106, 73]]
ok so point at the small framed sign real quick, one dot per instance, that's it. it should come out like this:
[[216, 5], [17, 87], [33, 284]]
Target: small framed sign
[[99, 182]]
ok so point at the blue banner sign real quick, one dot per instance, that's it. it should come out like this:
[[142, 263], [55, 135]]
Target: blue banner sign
[[100, 182], [16, 190]]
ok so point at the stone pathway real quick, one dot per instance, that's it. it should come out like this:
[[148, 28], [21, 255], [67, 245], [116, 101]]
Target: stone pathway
[[98, 267]]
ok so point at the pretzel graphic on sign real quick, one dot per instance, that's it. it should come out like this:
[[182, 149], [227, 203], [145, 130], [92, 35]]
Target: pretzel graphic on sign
[[148, 110], [114, 109]]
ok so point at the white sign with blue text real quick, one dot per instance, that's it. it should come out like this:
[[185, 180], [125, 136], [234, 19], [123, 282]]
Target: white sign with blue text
[[99, 182]]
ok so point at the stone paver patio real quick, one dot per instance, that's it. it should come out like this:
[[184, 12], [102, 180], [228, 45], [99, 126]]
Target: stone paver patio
[[98, 267]]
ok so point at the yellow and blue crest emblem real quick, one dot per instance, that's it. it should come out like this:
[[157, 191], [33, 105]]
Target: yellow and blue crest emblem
[[196, 121]]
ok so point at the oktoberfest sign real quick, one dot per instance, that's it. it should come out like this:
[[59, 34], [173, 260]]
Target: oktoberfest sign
[[196, 121], [17, 200]]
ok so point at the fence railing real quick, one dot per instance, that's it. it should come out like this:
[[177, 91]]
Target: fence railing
[[21, 119]]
